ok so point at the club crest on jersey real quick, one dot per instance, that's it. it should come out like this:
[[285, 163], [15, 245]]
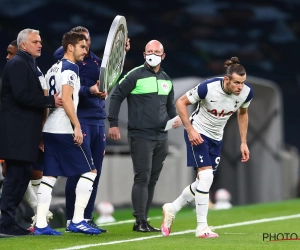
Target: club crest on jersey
[[236, 103], [165, 86]]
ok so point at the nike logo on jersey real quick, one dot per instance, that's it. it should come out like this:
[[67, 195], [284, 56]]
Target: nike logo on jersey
[[212, 101]]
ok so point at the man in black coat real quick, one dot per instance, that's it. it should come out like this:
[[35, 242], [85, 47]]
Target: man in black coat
[[21, 115]]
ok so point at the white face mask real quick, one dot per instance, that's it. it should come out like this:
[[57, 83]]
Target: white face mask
[[153, 60]]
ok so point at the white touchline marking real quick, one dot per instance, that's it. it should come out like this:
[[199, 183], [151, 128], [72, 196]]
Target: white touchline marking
[[257, 221], [185, 232], [126, 221], [234, 233]]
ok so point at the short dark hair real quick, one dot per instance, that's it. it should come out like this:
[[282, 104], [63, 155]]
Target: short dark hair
[[72, 38], [80, 29], [233, 66], [14, 43]]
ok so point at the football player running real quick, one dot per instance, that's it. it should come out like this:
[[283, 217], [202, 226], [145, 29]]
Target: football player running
[[219, 98]]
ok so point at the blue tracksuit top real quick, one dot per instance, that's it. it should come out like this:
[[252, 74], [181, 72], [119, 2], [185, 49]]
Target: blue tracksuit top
[[91, 109]]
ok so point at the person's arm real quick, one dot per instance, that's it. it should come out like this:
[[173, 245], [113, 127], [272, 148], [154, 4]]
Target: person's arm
[[191, 97], [45, 91], [46, 111], [122, 90], [242, 118], [183, 113], [68, 105], [181, 104], [85, 90], [46, 114], [18, 74], [171, 109]]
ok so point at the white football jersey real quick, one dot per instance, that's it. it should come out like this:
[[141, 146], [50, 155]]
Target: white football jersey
[[42, 79], [61, 73], [215, 106]]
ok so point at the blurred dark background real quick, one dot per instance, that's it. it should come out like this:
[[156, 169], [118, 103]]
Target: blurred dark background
[[198, 36]]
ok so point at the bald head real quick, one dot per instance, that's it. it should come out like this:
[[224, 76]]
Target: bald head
[[154, 47]]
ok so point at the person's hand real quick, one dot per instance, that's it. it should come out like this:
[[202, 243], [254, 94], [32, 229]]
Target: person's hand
[[95, 91], [127, 45], [58, 100], [41, 145], [245, 152], [194, 137], [78, 137], [3, 168], [177, 123], [114, 133]]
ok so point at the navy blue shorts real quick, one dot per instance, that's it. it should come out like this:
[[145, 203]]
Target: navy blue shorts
[[95, 137], [64, 158], [206, 154]]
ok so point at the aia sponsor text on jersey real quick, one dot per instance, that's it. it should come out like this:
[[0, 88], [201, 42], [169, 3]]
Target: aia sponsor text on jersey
[[220, 114]]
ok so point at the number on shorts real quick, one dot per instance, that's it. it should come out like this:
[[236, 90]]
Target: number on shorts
[[217, 161]]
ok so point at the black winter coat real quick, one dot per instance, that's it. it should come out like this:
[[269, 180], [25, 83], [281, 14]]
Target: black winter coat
[[21, 110]]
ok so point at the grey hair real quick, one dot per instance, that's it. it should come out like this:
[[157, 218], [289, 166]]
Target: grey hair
[[23, 35]]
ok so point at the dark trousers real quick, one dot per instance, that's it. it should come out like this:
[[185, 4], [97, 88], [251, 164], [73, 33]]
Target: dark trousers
[[18, 174], [148, 157], [95, 137]]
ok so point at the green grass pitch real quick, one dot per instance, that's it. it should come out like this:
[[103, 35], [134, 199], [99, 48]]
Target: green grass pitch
[[121, 236]]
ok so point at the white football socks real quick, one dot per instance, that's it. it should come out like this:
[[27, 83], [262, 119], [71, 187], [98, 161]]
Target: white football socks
[[31, 198], [44, 199], [186, 197], [83, 192], [35, 185], [202, 197], [68, 223]]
